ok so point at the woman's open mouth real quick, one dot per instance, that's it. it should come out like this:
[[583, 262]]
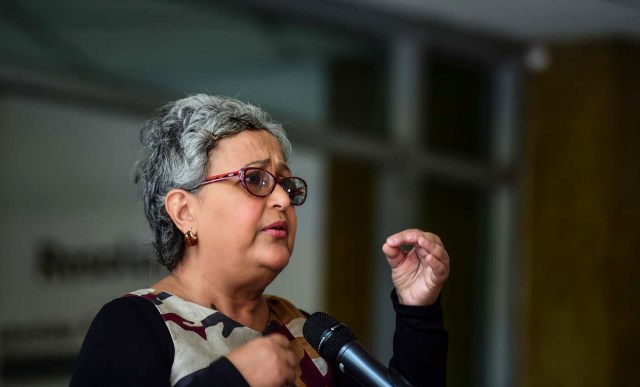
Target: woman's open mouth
[[278, 229]]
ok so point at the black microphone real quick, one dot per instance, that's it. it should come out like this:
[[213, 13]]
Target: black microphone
[[336, 343]]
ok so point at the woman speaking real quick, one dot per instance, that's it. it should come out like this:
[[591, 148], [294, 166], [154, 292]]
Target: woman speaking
[[221, 198]]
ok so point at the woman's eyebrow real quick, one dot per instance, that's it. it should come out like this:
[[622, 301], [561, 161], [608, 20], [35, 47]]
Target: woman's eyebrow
[[284, 166], [262, 163]]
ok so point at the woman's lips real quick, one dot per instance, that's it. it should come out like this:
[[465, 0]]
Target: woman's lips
[[277, 229]]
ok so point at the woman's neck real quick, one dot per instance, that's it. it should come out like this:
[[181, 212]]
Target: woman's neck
[[243, 302]]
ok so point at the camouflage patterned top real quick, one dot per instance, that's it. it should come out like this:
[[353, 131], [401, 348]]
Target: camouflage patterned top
[[202, 335]]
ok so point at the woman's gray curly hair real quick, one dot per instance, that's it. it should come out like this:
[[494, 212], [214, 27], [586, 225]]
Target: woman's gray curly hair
[[176, 143]]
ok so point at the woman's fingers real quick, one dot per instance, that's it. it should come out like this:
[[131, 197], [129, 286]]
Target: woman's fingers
[[406, 237], [438, 267], [434, 246], [423, 243], [395, 256], [412, 237], [419, 263]]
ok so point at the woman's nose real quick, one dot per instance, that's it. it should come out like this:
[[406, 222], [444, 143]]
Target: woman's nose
[[280, 197]]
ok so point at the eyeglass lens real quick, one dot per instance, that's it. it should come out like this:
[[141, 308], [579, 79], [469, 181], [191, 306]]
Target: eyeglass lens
[[261, 183]]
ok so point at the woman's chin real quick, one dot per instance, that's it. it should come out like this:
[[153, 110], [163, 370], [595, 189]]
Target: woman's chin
[[277, 259]]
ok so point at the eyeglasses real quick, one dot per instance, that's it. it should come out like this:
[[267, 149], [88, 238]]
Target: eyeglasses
[[261, 183]]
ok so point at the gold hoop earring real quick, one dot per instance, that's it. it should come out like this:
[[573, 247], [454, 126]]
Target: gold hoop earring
[[190, 238]]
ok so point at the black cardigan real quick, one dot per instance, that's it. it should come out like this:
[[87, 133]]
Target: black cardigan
[[129, 343]]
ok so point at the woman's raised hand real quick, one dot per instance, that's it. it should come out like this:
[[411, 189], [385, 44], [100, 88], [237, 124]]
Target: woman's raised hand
[[419, 273]]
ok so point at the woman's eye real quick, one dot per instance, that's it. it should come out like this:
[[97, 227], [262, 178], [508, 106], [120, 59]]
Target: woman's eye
[[255, 179]]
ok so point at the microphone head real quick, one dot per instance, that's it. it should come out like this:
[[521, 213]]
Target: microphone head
[[320, 325]]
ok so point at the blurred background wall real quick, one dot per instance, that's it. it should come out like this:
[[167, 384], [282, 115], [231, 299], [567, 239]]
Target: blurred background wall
[[509, 128]]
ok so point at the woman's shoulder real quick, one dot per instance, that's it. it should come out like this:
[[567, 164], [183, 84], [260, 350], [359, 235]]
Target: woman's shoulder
[[276, 302], [133, 315], [283, 303], [156, 297], [130, 332], [134, 307], [287, 312]]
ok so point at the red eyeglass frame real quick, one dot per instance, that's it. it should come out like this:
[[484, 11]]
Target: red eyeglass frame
[[241, 173]]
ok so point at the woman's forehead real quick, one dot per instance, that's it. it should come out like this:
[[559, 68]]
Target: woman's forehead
[[249, 146]]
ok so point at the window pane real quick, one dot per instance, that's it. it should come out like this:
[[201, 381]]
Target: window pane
[[289, 65], [458, 106], [357, 93]]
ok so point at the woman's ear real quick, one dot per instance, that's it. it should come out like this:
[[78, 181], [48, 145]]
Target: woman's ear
[[179, 206]]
